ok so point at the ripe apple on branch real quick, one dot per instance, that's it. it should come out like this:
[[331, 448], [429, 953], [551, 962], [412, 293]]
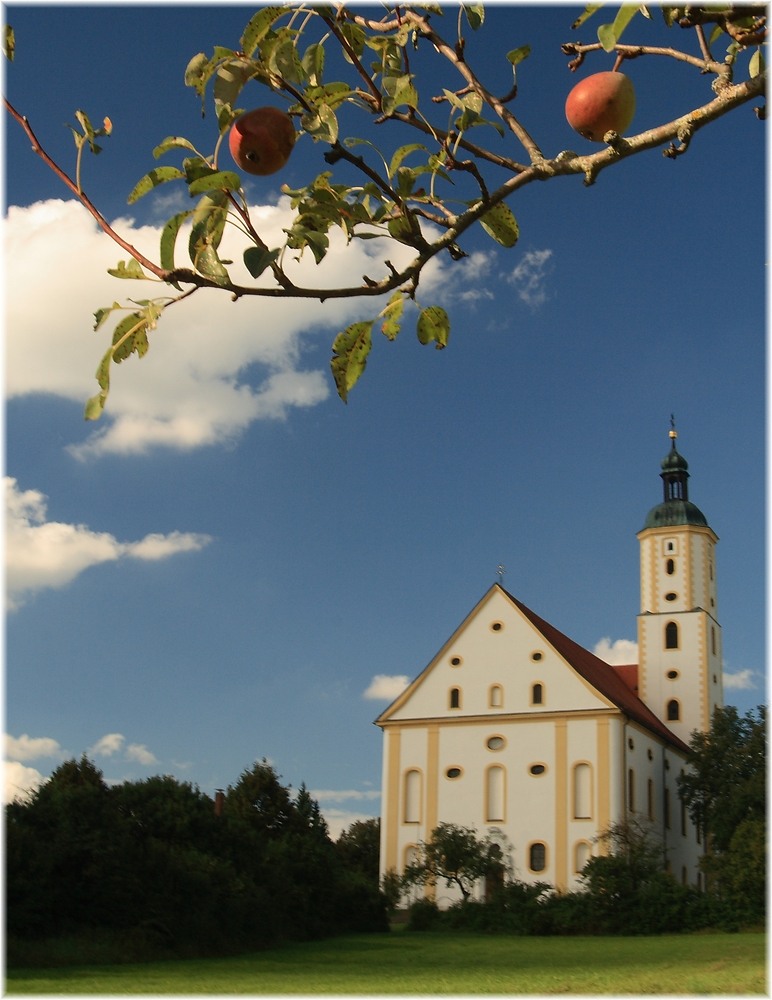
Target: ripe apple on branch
[[401, 193]]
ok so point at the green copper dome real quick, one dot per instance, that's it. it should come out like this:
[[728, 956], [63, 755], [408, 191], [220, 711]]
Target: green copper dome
[[676, 507], [674, 512]]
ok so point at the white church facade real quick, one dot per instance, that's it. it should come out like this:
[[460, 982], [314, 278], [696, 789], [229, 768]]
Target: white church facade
[[517, 731]]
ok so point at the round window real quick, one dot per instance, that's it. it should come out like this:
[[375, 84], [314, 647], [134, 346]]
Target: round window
[[496, 743], [455, 661]]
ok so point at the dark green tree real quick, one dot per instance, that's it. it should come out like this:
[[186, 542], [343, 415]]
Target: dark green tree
[[359, 847], [456, 856], [724, 790]]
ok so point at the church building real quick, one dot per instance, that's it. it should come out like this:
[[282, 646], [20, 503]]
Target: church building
[[515, 730]]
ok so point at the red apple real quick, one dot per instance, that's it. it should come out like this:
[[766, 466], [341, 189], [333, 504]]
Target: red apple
[[261, 141], [601, 103]]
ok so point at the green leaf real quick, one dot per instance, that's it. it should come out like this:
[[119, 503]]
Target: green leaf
[[401, 154], [589, 10], [127, 269], [159, 175], [518, 55], [350, 350], [9, 43], [433, 325], [322, 125], [96, 404], [392, 316], [501, 225], [257, 259], [198, 72], [475, 15], [609, 34], [169, 239], [173, 142], [101, 314], [313, 63], [286, 62], [229, 81], [130, 335], [756, 65], [225, 180], [209, 219], [258, 27]]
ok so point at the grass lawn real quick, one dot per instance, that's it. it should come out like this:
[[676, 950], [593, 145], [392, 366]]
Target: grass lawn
[[439, 963]]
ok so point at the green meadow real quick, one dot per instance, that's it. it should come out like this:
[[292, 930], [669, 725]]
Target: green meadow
[[404, 963]]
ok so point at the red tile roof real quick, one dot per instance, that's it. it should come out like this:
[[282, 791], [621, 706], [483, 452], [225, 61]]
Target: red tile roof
[[603, 677]]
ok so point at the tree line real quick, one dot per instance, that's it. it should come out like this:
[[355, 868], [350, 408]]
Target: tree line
[[167, 870]]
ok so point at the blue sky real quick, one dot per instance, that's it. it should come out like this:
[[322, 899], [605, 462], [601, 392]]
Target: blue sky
[[234, 565]]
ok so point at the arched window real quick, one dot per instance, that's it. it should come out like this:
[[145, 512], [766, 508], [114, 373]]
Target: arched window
[[413, 796], [582, 854], [673, 711], [496, 696], [582, 791], [670, 567], [537, 694], [455, 697], [537, 857], [671, 636], [494, 794]]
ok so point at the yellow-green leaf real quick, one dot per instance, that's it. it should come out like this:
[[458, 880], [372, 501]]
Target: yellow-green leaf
[[350, 350], [500, 223], [392, 316], [159, 175], [127, 269], [433, 325]]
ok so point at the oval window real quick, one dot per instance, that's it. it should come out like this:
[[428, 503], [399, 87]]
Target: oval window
[[497, 626], [496, 743], [537, 769], [672, 674], [536, 656], [453, 772], [671, 596], [455, 661]]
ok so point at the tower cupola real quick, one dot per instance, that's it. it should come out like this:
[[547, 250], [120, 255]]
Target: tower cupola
[[676, 508]]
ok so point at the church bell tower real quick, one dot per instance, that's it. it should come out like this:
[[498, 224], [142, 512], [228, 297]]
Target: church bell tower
[[679, 638]]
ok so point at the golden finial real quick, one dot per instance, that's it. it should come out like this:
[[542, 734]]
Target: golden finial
[[673, 432]]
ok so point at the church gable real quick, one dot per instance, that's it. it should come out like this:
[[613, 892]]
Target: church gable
[[499, 661]]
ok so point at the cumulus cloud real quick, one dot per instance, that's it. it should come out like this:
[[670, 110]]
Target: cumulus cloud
[[386, 688], [214, 366], [337, 816], [42, 554], [742, 680], [107, 745], [620, 652], [20, 781], [140, 754], [24, 747], [530, 277]]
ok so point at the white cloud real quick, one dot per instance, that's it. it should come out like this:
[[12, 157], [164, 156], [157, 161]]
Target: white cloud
[[621, 652], [530, 275], [214, 366], [743, 680], [20, 781], [24, 747], [386, 688], [338, 820], [346, 795], [42, 554], [139, 752], [107, 745]]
